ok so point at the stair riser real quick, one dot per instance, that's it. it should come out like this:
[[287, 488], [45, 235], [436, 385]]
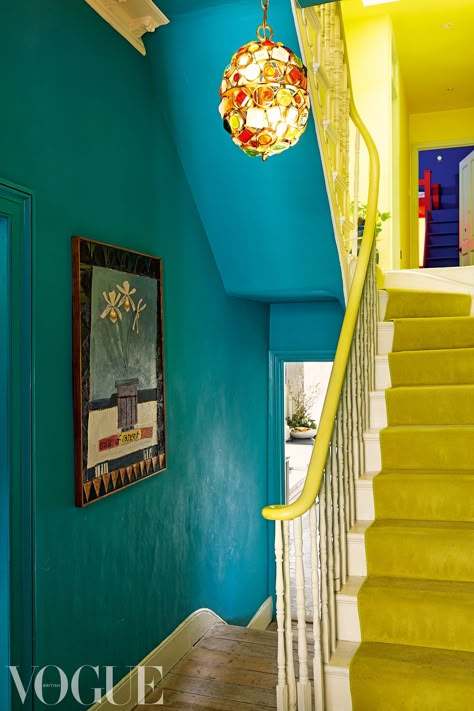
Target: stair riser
[[384, 337], [357, 561], [365, 509], [348, 625], [406, 498], [428, 450], [424, 618], [442, 262], [378, 410], [373, 457], [434, 554], [431, 367], [427, 406], [449, 252], [443, 240], [444, 227], [337, 691], [382, 373], [445, 215]]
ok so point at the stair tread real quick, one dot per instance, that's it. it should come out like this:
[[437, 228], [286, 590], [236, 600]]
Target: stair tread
[[459, 664], [421, 585], [416, 524], [431, 473]]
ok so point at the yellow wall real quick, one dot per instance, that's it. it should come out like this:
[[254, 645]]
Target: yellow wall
[[370, 57], [403, 158], [434, 129], [442, 126]]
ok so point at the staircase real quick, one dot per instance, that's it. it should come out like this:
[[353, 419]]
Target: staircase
[[416, 606], [442, 248]]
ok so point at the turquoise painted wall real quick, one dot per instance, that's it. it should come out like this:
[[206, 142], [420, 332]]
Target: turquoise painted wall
[[269, 224], [81, 126], [311, 326]]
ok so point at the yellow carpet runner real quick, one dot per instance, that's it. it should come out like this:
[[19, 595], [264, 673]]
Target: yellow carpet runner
[[416, 606]]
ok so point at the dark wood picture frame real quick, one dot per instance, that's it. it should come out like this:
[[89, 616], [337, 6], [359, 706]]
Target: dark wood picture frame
[[118, 369]]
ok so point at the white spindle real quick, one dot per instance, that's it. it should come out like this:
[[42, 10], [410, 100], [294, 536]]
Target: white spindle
[[318, 674], [290, 661], [282, 687], [303, 685]]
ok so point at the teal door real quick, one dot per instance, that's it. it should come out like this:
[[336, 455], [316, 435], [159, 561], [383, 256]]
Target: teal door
[[4, 467], [16, 525]]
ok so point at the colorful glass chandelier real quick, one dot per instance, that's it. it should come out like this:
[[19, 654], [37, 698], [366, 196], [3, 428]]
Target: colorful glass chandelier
[[264, 98]]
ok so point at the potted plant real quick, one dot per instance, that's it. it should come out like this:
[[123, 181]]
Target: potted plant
[[361, 218], [301, 424]]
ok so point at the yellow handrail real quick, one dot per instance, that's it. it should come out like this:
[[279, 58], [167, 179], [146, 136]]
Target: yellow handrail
[[320, 451]]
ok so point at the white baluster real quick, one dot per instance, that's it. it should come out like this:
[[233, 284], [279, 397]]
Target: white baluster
[[303, 685], [290, 661], [318, 674], [282, 687], [324, 574]]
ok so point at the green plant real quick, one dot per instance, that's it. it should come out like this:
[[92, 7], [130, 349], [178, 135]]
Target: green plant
[[362, 216], [302, 402]]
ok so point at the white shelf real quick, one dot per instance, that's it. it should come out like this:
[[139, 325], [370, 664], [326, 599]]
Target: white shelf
[[132, 18]]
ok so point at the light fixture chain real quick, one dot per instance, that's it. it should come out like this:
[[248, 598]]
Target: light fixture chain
[[264, 31]]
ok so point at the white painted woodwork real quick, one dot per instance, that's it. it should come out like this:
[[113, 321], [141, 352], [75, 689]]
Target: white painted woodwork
[[348, 625], [384, 337], [365, 497], [336, 675], [456, 280], [263, 616], [373, 458], [383, 301], [131, 18], [320, 36], [382, 373], [166, 655], [282, 687], [378, 410], [356, 549]]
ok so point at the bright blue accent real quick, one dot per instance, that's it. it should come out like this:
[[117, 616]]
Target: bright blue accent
[[4, 464], [269, 224], [444, 172]]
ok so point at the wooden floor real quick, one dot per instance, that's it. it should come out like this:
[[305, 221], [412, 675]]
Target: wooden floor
[[230, 669]]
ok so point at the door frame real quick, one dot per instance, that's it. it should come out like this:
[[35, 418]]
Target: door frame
[[415, 150], [16, 205], [276, 432]]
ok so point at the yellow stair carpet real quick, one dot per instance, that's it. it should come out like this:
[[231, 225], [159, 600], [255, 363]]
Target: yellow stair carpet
[[416, 607]]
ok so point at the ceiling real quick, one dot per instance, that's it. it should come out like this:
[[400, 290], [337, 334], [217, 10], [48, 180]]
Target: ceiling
[[436, 62]]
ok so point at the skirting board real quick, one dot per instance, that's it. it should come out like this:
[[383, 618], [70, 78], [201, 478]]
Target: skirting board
[[263, 616], [166, 655], [170, 651]]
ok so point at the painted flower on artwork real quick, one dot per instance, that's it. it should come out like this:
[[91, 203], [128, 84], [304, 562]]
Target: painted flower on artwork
[[127, 323], [126, 301], [112, 310], [140, 307]]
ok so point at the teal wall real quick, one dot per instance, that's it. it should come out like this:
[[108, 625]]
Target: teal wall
[[81, 126], [311, 326], [269, 224]]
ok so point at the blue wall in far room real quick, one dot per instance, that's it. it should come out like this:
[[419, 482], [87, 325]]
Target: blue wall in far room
[[445, 171]]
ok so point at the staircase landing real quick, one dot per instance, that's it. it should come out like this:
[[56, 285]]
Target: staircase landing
[[229, 669]]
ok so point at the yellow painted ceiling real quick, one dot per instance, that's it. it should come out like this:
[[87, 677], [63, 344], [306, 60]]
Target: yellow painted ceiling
[[436, 62]]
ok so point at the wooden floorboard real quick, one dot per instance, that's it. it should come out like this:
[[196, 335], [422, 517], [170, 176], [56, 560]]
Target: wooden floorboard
[[230, 669]]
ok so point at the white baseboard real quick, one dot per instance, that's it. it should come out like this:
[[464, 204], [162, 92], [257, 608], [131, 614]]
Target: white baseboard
[[165, 656], [263, 616]]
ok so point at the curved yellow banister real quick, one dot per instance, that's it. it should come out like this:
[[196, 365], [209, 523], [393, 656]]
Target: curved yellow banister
[[320, 451]]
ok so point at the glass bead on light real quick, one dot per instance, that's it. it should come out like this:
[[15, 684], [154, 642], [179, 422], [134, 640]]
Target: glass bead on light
[[264, 98]]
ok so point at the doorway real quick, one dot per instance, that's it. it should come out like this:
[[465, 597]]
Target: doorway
[[437, 209], [16, 527]]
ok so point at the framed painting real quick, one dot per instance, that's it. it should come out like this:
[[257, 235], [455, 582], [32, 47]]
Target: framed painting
[[118, 374]]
